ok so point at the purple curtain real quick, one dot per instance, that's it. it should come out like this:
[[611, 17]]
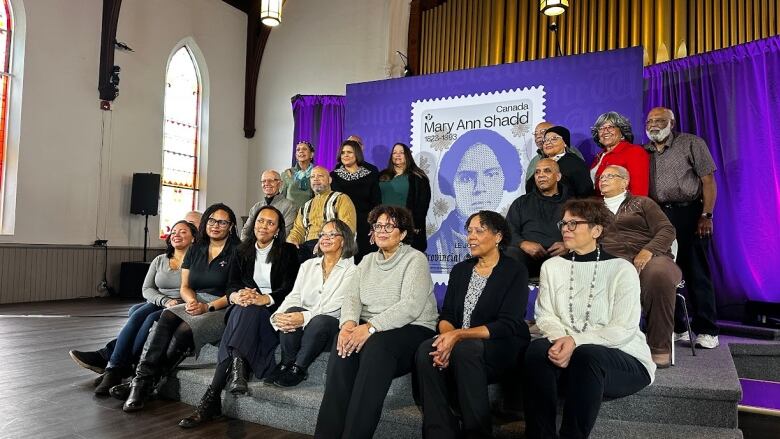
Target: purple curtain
[[731, 98], [319, 120]]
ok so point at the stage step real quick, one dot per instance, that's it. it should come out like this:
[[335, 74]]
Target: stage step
[[762, 397], [757, 360], [696, 398]]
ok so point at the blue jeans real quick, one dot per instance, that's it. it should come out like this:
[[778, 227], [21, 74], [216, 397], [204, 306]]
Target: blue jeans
[[131, 339]]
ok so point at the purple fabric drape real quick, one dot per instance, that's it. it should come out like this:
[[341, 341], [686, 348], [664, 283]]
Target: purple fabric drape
[[731, 98], [319, 120]]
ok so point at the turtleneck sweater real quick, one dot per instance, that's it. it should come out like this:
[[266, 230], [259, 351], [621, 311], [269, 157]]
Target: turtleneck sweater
[[613, 203], [615, 310], [392, 292]]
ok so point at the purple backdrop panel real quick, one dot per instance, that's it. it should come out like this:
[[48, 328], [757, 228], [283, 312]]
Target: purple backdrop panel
[[471, 130], [578, 89]]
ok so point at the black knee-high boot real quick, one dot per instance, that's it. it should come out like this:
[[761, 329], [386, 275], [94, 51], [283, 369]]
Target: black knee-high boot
[[148, 367]]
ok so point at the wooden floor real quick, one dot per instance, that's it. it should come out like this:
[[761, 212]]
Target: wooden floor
[[44, 394]]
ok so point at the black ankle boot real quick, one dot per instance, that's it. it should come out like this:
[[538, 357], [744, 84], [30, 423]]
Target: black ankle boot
[[121, 391], [140, 388], [237, 383], [210, 407], [111, 378]]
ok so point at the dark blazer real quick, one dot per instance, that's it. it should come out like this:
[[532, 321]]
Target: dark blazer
[[283, 274], [501, 307]]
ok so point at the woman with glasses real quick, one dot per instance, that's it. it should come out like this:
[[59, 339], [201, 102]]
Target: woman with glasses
[[261, 275], [481, 333], [361, 184], [643, 235], [403, 183], [185, 328], [612, 132], [574, 171], [310, 320], [296, 180], [383, 321], [588, 312]]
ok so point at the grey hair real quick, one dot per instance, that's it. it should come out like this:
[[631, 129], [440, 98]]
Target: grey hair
[[617, 119], [349, 248], [621, 171]]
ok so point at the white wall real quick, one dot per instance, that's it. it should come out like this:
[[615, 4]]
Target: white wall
[[319, 48], [62, 127]]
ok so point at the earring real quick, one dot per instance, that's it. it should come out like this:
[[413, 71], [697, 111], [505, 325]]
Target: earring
[[277, 235]]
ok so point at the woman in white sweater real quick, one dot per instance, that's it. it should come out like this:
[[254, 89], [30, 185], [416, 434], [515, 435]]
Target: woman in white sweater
[[383, 321], [588, 311], [310, 320]]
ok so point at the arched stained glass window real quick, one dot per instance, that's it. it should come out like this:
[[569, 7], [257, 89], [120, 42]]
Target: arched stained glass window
[[181, 139], [6, 27]]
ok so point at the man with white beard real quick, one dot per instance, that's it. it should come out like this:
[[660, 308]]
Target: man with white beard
[[682, 183]]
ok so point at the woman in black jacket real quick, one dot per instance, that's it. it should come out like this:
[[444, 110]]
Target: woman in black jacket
[[481, 333], [403, 183], [262, 274]]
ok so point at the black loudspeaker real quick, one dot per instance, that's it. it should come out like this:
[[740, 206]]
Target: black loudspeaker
[[146, 194]]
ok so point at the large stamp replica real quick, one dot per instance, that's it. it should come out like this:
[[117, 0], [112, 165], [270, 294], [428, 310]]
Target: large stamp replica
[[474, 149]]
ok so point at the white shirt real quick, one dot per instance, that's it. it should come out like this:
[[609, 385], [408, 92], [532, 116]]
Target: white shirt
[[613, 203], [262, 274], [316, 296]]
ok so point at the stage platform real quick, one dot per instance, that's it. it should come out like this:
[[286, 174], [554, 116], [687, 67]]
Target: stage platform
[[697, 398]]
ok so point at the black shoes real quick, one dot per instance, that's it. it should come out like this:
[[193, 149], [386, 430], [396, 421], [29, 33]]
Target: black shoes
[[210, 407], [89, 360], [111, 378], [277, 372], [120, 391], [292, 377], [237, 382]]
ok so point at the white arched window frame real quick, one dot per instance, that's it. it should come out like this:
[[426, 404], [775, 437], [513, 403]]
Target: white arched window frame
[[12, 32], [184, 134]]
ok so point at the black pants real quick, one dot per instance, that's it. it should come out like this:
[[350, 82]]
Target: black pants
[[356, 386], [594, 372], [464, 383], [304, 344], [533, 265], [692, 259]]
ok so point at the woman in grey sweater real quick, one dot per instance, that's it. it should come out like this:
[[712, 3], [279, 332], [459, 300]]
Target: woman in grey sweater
[[161, 291], [383, 321]]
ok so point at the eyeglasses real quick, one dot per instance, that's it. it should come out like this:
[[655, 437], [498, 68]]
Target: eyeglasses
[[270, 181], [475, 230], [329, 235], [387, 227], [539, 133], [603, 128], [552, 139], [571, 225], [657, 122], [605, 177], [216, 222]]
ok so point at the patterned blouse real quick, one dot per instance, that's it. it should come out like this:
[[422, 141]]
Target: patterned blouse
[[476, 286]]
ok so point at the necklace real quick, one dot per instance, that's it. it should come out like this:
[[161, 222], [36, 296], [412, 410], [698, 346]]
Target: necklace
[[590, 294], [326, 271]]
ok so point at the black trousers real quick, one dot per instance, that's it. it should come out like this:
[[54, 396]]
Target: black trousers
[[692, 260], [594, 372], [304, 344], [356, 386], [464, 384], [533, 265]]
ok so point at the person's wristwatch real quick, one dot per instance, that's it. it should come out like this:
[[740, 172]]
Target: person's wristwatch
[[707, 215], [371, 329], [212, 308]]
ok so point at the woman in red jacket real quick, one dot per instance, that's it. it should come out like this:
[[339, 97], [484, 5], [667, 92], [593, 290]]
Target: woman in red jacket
[[612, 132]]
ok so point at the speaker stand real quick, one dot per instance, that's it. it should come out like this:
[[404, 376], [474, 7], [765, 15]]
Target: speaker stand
[[146, 234]]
